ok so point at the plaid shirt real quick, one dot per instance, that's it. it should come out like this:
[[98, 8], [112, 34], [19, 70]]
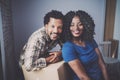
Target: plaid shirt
[[36, 49]]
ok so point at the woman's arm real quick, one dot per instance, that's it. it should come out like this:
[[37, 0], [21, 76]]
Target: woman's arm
[[102, 64], [78, 68]]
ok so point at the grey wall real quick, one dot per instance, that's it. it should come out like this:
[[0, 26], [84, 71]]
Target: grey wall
[[28, 16], [117, 25]]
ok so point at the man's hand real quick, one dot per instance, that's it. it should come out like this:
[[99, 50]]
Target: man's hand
[[54, 57]]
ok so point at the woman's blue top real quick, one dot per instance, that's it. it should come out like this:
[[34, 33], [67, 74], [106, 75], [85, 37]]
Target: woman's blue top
[[86, 55]]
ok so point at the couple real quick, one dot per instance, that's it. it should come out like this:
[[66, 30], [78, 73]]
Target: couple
[[80, 50]]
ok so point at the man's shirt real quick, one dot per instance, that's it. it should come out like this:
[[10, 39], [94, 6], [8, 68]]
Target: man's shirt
[[36, 49]]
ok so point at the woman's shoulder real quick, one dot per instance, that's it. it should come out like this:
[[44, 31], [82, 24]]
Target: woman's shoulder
[[68, 46], [68, 43], [92, 42]]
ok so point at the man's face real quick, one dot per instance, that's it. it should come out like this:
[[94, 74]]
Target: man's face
[[54, 28]]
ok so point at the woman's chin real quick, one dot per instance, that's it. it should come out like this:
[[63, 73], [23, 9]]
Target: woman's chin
[[76, 35]]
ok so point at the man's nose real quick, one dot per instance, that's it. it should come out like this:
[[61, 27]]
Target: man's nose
[[55, 30]]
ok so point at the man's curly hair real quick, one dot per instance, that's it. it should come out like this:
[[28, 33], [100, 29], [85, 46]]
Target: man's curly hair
[[53, 14], [86, 21]]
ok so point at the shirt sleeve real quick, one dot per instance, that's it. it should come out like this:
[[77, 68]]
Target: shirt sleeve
[[32, 52], [95, 45], [68, 52]]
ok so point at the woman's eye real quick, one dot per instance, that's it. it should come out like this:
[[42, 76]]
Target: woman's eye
[[71, 25], [80, 24]]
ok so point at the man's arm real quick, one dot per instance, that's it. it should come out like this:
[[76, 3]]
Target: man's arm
[[57, 56], [32, 51]]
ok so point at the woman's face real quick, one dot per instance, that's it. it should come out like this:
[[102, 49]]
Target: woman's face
[[76, 27]]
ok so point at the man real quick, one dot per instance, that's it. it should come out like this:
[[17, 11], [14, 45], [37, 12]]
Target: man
[[36, 53]]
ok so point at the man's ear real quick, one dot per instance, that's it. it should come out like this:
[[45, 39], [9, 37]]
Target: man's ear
[[46, 25]]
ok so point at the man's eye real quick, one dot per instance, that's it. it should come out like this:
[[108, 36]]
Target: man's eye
[[53, 26], [59, 27]]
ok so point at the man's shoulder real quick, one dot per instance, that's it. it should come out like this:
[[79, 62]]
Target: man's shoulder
[[39, 33]]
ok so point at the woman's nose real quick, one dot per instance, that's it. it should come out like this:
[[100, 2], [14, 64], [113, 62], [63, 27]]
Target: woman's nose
[[76, 26]]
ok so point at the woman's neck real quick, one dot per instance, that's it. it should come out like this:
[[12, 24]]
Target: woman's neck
[[78, 41]]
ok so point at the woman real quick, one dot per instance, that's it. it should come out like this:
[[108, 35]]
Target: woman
[[80, 50]]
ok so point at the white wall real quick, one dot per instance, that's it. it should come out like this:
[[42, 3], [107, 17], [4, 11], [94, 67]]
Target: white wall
[[28, 16], [117, 25]]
